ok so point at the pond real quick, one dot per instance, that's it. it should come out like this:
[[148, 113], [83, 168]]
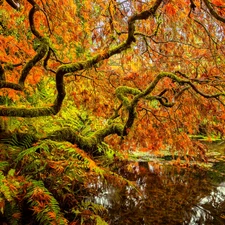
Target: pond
[[167, 194]]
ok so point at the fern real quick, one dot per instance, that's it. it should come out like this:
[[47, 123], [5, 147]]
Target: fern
[[60, 175], [44, 205], [96, 208], [86, 161], [22, 140], [93, 210], [27, 152], [13, 213], [98, 220], [3, 165], [11, 187], [5, 192]]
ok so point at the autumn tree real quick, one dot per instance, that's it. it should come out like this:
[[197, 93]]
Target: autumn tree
[[137, 75], [139, 69]]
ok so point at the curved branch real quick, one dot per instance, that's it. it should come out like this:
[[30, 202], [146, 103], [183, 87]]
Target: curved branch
[[41, 52], [34, 9], [45, 63], [17, 87], [32, 2], [24, 112], [73, 67], [15, 5], [2, 73], [89, 144], [208, 33], [130, 105], [175, 78], [122, 90], [213, 12], [164, 101]]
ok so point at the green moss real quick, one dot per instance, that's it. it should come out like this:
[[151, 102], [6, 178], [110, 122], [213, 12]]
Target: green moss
[[124, 90]]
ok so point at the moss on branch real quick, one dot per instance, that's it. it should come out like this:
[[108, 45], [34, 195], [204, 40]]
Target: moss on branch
[[41, 52], [33, 10], [130, 105], [213, 12], [64, 69], [89, 144], [24, 112], [123, 91]]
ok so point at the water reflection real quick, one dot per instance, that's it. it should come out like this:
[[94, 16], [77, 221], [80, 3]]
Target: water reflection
[[167, 195], [211, 209]]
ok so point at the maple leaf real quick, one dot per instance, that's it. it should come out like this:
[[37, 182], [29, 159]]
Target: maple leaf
[[218, 2], [170, 9]]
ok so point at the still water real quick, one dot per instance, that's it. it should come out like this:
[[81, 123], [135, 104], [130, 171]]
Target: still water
[[166, 194]]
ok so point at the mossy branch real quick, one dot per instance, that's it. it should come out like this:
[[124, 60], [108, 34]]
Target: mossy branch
[[64, 69], [130, 105], [41, 52], [24, 112], [4, 84], [14, 4], [89, 144], [33, 10], [213, 12]]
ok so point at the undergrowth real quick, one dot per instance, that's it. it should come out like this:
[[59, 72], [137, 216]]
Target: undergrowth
[[51, 182]]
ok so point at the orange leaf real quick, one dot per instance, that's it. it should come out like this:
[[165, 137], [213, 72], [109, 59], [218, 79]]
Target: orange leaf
[[52, 215], [170, 10]]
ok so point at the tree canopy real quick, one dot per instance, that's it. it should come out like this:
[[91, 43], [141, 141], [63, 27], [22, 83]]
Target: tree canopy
[[137, 75], [152, 71]]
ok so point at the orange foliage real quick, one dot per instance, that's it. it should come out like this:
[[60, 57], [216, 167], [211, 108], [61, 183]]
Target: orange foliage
[[180, 38]]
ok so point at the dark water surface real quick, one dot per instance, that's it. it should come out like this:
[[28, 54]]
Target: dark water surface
[[168, 195]]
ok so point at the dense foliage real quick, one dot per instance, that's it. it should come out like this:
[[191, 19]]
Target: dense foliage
[[80, 78]]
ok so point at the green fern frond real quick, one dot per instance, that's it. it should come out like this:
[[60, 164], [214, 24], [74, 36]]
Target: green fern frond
[[98, 220], [24, 153], [3, 165], [4, 189], [11, 187], [85, 161], [22, 140], [44, 205], [96, 208], [44, 146]]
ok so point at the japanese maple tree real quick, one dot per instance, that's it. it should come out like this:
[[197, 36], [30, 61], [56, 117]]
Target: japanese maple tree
[[81, 78], [150, 72]]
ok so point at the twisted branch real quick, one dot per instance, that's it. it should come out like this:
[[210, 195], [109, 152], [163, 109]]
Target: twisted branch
[[130, 105], [213, 12], [14, 4]]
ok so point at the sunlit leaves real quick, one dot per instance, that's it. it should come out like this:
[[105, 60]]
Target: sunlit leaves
[[179, 37], [170, 10]]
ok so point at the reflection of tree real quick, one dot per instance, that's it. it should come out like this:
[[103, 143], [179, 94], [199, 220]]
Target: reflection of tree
[[165, 198]]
